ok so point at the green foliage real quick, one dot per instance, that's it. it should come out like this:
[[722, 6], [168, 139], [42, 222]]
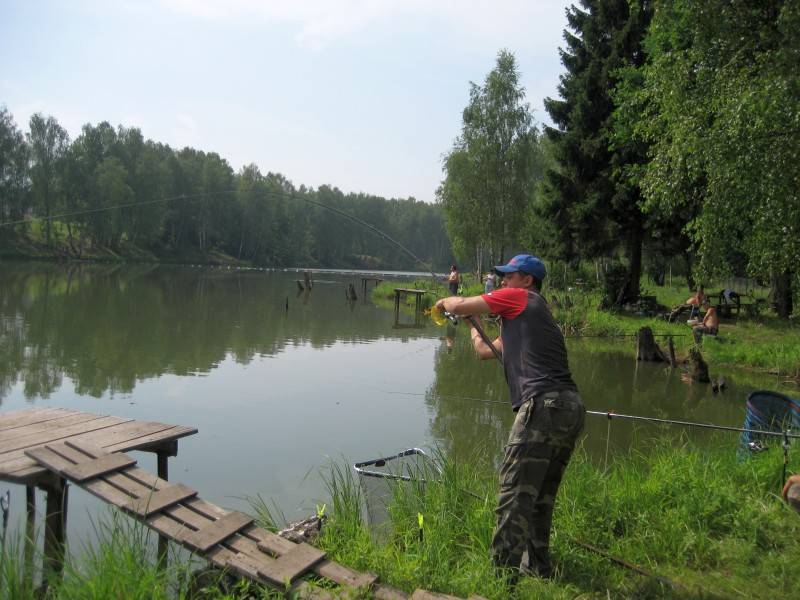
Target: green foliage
[[718, 105], [591, 203], [492, 169]]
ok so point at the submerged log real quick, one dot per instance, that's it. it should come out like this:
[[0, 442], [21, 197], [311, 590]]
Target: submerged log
[[698, 369], [646, 347]]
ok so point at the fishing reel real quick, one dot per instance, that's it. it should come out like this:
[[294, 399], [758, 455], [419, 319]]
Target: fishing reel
[[442, 317]]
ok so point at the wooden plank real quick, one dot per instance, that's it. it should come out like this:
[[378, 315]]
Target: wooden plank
[[122, 434], [385, 592], [96, 467], [217, 531], [51, 425], [326, 568], [48, 437], [426, 595], [289, 566], [158, 500], [173, 433], [28, 416]]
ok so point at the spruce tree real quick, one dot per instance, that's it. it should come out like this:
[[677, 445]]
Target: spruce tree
[[592, 203]]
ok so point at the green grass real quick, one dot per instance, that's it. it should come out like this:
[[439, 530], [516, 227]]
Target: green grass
[[712, 526]]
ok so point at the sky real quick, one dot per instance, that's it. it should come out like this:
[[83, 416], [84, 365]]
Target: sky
[[363, 95]]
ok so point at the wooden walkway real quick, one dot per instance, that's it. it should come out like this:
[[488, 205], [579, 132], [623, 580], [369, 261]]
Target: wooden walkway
[[228, 539], [25, 429]]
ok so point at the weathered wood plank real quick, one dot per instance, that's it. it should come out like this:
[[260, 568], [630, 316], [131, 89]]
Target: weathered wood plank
[[158, 500], [51, 425], [289, 566], [326, 568], [96, 467], [426, 595], [217, 531], [122, 434], [173, 433], [49, 437], [385, 592], [29, 416]]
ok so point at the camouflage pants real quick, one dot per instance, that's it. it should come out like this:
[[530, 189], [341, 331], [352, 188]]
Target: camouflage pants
[[538, 450]]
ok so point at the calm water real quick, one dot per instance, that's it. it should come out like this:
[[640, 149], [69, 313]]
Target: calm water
[[276, 393]]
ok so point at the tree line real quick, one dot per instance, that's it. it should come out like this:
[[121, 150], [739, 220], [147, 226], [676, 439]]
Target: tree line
[[675, 140], [112, 189]]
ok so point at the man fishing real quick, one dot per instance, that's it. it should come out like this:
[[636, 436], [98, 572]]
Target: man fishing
[[550, 412]]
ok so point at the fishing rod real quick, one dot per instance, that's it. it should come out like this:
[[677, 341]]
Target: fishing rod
[[610, 414]]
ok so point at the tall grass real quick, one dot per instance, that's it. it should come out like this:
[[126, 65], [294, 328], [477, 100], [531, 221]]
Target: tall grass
[[709, 524]]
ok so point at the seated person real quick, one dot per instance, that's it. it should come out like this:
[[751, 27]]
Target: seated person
[[791, 492], [710, 324], [692, 304]]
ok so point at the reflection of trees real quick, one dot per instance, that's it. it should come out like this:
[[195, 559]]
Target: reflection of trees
[[106, 327], [460, 422]]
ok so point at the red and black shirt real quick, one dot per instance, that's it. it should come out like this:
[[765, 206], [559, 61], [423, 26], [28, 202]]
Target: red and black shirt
[[534, 352]]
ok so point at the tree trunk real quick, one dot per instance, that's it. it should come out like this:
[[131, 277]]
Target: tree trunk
[[646, 347], [635, 267], [698, 369], [689, 279], [782, 294]]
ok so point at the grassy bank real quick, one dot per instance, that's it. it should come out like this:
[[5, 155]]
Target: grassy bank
[[707, 524], [763, 342]]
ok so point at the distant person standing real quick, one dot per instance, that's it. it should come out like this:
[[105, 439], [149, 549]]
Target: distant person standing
[[453, 279], [489, 283]]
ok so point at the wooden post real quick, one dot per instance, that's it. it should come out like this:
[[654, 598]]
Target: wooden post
[[396, 307], [30, 534], [364, 287], [162, 465], [55, 529]]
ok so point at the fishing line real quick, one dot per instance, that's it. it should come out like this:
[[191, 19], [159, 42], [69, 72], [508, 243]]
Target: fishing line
[[613, 415]]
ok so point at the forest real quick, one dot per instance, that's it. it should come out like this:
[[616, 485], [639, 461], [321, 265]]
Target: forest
[[111, 193]]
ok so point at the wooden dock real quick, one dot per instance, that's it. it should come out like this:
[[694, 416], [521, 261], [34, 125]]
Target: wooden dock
[[49, 447], [401, 293], [228, 539], [24, 430]]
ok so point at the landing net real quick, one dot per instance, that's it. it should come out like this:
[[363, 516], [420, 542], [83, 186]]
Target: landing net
[[380, 478]]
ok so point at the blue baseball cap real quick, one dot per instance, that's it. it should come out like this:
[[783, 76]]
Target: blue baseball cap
[[527, 263]]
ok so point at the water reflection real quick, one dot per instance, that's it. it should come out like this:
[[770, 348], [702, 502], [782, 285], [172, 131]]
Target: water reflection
[[107, 327]]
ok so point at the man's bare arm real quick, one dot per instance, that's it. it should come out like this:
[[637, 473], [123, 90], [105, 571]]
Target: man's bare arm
[[472, 306]]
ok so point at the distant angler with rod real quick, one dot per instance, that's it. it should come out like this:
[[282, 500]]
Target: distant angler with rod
[[550, 412]]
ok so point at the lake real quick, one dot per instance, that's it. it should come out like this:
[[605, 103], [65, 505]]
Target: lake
[[277, 392]]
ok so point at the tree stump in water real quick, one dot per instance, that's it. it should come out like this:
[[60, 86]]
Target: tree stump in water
[[300, 287], [646, 347], [672, 360], [350, 292], [309, 281], [698, 369]]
